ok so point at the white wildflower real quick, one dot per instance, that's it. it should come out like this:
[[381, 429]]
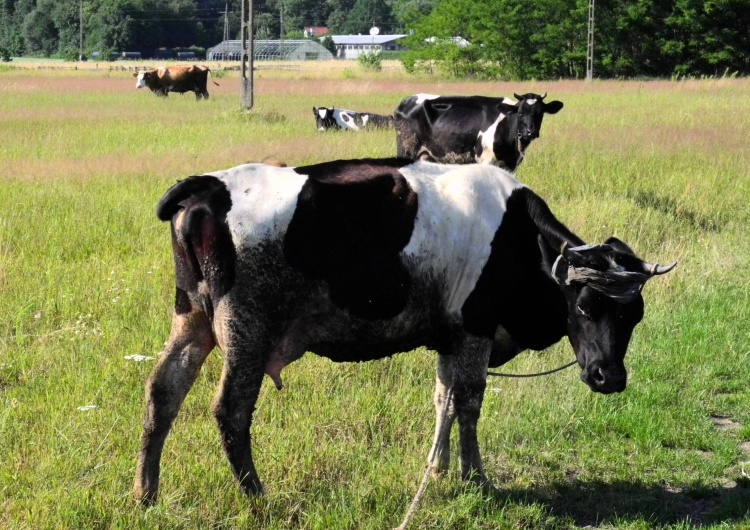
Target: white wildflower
[[138, 358]]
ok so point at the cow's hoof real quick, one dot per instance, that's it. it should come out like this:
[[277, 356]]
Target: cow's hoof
[[483, 483], [437, 474], [145, 498], [251, 487]]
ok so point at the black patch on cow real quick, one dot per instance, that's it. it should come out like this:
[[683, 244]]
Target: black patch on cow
[[514, 289], [202, 244], [352, 220]]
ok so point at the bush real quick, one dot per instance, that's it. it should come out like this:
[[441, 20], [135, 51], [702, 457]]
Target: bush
[[370, 61], [5, 55]]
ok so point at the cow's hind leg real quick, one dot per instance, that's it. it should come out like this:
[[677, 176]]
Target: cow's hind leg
[[189, 344], [234, 403]]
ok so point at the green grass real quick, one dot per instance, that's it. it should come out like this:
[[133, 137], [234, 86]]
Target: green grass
[[86, 279]]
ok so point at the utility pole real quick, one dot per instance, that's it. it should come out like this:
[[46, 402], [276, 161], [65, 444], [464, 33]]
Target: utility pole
[[225, 37], [248, 55], [80, 31], [281, 26], [590, 47]]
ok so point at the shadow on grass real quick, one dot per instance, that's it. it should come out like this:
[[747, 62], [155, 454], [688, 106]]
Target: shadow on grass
[[598, 503], [669, 206]]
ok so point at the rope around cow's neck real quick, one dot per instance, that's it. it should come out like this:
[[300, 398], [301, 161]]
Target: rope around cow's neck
[[548, 372]]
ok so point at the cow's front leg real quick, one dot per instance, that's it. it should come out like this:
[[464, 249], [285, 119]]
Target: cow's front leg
[[189, 344], [234, 405], [469, 381], [445, 412]]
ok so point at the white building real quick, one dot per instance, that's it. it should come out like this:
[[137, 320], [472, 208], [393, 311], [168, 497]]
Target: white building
[[351, 46]]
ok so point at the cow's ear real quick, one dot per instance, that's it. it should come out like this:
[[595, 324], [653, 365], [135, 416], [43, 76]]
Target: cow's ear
[[506, 108], [433, 109], [553, 107], [315, 111]]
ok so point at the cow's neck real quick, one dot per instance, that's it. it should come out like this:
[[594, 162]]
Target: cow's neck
[[506, 135]]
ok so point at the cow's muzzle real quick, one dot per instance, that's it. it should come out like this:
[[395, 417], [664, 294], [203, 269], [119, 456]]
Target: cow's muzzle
[[605, 380]]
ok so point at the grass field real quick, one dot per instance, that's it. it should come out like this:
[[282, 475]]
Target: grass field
[[86, 280]]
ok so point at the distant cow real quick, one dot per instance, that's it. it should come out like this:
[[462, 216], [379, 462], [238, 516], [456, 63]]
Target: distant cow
[[349, 120], [179, 79], [358, 260], [470, 129]]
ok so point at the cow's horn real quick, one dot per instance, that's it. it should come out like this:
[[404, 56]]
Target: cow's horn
[[654, 269], [544, 96]]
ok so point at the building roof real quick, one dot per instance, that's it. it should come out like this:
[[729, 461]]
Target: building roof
[[268, 49], [365, 39]]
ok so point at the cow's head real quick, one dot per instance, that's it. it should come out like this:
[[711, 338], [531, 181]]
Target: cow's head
[[602, 286], [324, 118], [144, 78], [531, 111]]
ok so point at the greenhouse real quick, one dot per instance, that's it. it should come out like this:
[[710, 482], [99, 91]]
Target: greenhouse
[[271, 50]]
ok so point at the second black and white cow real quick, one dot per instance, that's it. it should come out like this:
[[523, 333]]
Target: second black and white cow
[[349, 120], [470, 129], [357, 260]]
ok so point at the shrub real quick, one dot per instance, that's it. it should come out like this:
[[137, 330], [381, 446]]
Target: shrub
[[370, 61], [5, 55]]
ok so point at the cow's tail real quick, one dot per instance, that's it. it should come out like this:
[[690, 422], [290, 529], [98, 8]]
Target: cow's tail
[[202, 244], [170, 203], [212, 77]]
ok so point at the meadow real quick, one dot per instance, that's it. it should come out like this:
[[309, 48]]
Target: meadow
[[86, 283]]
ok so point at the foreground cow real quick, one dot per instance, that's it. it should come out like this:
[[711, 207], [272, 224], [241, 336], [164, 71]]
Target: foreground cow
[[469, 129], [178, 79], [348, 120], [359, 260]]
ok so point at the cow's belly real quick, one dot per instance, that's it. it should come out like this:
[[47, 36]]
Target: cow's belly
[[277, 314]]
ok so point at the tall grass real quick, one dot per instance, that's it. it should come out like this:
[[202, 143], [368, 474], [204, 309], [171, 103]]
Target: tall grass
[[86, 280]]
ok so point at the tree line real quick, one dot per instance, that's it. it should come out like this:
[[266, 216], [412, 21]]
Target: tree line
[[494, 39]]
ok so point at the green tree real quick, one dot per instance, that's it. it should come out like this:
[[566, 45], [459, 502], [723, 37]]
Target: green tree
[[39, 33], [368, 13]]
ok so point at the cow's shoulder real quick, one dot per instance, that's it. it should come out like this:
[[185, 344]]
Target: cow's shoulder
[[514, 290], [353, 217]]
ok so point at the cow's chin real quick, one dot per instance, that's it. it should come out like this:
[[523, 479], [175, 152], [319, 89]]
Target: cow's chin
[[604, 380]]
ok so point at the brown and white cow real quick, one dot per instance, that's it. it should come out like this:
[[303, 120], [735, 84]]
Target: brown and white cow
[[357, 260], [178, 79]]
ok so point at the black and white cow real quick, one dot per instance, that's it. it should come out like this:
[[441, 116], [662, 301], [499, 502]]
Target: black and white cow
[[470, 129], [362, 259], [349, 120]]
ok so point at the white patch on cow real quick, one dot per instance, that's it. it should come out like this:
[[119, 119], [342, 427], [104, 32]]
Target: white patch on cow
[[263, 201], [487, 139], [345, 119], [365, 119], [460, 209], [508, 101], [322, 113], [421, 98], [139, 82], [530, 101]]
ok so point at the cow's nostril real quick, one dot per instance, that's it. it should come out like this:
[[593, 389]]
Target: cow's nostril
[[597, 376]]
